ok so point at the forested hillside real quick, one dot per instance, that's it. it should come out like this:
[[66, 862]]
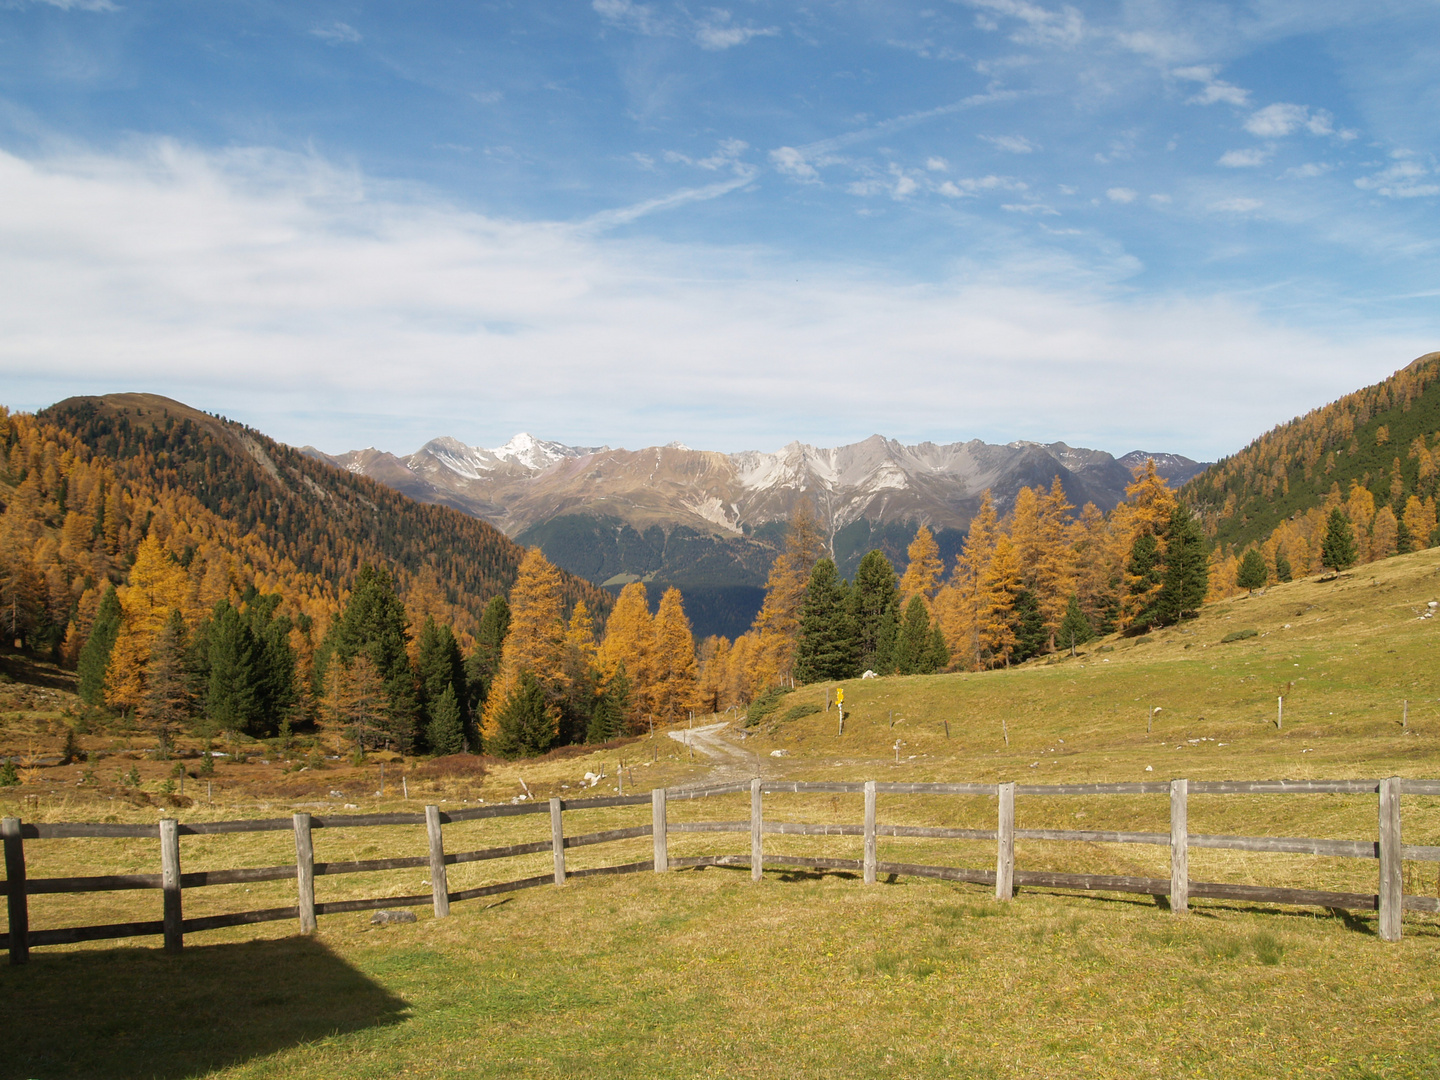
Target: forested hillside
[[1373, 453]]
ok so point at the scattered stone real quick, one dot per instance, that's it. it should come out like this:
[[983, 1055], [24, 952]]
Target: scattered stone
[[779, 753], [869, 674], [385, 918], [337, 794]]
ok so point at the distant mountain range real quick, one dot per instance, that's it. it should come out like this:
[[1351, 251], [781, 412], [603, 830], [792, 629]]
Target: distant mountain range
[[709, 522]]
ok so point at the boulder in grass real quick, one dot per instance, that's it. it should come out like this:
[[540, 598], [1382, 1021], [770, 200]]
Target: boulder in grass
[[391, 915]]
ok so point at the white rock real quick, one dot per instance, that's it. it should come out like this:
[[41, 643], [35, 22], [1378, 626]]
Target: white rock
[[869, 674], [1149, 768], [779, 753]]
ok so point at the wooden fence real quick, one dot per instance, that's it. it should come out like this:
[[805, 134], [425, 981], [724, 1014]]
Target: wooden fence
[[1388, 850]]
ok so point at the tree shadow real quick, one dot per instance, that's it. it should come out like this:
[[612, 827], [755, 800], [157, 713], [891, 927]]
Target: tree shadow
[[145, 1013]]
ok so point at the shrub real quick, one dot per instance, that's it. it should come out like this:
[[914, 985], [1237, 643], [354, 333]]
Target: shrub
[[1238, 635], [765, 704], [795, 712]]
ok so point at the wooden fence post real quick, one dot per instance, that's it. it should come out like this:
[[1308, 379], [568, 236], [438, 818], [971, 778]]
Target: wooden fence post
[[659, 827], [870, 832], [557, 840], [305, 873], [757, 848], [17, 901], [1179, 845], [1005, 855], [170, 884], [439, 884], [1391, 879]]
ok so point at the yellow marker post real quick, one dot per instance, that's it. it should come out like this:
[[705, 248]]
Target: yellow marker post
[[840, 707]]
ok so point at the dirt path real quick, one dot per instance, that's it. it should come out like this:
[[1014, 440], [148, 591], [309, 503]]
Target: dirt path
[[728, 760]]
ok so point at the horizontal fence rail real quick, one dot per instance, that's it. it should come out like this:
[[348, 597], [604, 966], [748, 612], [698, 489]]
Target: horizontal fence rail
[[1389, 899]]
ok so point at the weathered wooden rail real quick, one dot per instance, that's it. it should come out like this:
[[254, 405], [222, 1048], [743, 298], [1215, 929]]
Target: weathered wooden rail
[[1388, 850]]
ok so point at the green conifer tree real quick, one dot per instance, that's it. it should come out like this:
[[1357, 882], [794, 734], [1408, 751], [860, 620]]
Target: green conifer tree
[[1253, 573], [95, 656], [482, 664], [1187, 569], [1074, 629], [828, 645], [607, 718], [440, 667], [525, 724], [1144, 574], [872, 599], [374, 623], [912, 644], [1029, 625], [1404, 542], [1338, 551], [1282, 564], [167, 704], [937, 657], [445, 733]]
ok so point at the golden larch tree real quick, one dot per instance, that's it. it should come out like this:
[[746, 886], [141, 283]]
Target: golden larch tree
[[676, 673], [922, 575], [537, 634], [630, 640]]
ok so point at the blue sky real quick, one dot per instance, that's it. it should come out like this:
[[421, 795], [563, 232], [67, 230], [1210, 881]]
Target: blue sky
[[1125, 225]]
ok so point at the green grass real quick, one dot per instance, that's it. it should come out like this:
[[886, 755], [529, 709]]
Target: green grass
[[702, 973]]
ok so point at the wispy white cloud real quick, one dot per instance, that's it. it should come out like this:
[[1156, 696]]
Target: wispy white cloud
[[937, 164], [717, 31], [1244, 159], [256, 283], [1039, 25], [1122, 195], [1281, 119], [792, 162], [1237, 205], [1214, 91], [336, 33], [72, 5], [637, 18], [1405, 179], [1012, 144], [970, 187], [799, 162]]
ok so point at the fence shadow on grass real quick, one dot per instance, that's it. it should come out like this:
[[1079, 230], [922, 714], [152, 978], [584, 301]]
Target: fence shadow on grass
[[145, 1013]]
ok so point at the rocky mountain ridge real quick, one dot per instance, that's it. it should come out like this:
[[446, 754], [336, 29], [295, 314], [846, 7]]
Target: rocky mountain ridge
[[704, 518]]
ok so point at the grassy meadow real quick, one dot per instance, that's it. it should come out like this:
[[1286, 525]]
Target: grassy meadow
[[703, 973]]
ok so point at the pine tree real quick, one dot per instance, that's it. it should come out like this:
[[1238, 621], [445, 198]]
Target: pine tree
[[676, 690], [524, 724], [1143, 578], [922, 575], [912, 647], [440, 668], [1338, 551], [1031, 634], [872, 595], [1074, 628], [1253, 572], [95, 656], [167, 705], [1282, 564], [1187, 568], [482, 665], [363, 702], [607, 720], [445, 733], [228, 660], [374, 623], [937, 656], [828, 646]]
